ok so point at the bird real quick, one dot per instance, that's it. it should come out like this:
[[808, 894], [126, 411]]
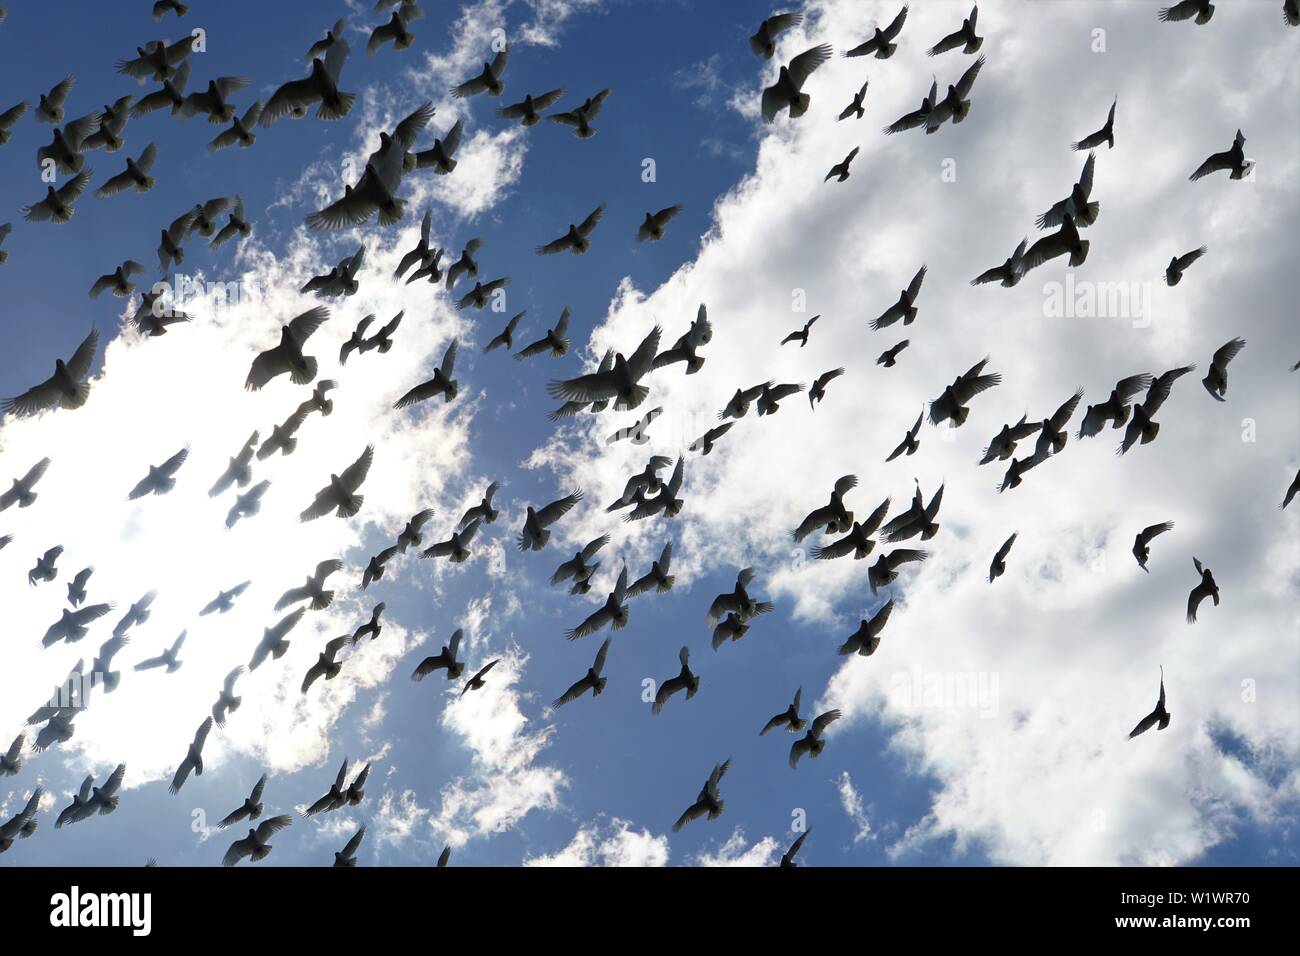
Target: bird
[[340, 495], [441, 155], [578, 568], [856, 107], [11, 760], [1216, 377], [918, 117], [247, 504], [1179, 264], [731, 628], [832, 517], [1116, 408], [167, 658], [685, 679], [240, 131], [443, 660], [1104, 135], [787, 91], [999, 565], [866, 638], [536, 531], [375, 568], [112, 121], [918, 519], [763, 42], [590, 681], [1004, 443], [477, 682], [709, 802], [1206, 588], [555, 341], [45, 569], [154, 316], [326, 666], [905, 307], [422, 251], [23, 823], [77, 587], [320, 86], [10, 117], [620, 383], [1160, 716], [137, 614], [465, 265], [331, 36], [118, 281], [255, 846], [665, 502], [1065, 240], [788, 718], [161, 478], [1232, 159], [193, 761], [76, 810], [636, 432], [376, 190], [357, 340], [101, 668], [963, 38], [135, 175], [50, 108], [658, 577], [801, 335], [170, 94], [1291, 491], [288, 357], [580, 117], [411, 534], [318, 402], [769, 398], [170, 250], [1291, 12], [739, 600], [813, 743], [482, 293], [341, 279], [274, 640], [484, 509], [1141, 424], [881, 42], [858, 540], [951, 405], [442, 382], [577, 239], [65, 151], [1052, 434], [956, 104], [348, 855], [653, 226], [1077, 205], [885, 570], [214, 100], [59, 204], [614, 612], [911, 441], [457, 546], [817, 393], [528, 110], [489, 80], [371, 628], [227, 703], [1009, 273], [382, 341], [787, 858], [396, 33], [162, 7], [251, 808], [1141, 549], [506, 336], [22, 492], [1202, 10]]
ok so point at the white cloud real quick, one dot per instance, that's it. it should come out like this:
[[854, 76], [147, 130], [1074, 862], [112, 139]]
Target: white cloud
[[617, 843], [851, 801], [737, 852]]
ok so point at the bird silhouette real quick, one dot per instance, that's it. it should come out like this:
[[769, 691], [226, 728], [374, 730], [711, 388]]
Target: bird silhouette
[[866, 638], [788, 718], [881, 42], [193, 762], [443, 660], [1141, 543], [709, 803], [590, 681], [813, 743], [1206, 588], [684, 680], [787, 91], [1160, 716], [251, 808]]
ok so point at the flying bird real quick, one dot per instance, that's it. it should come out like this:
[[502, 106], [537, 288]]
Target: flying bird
[[614, 612], [653, 226], [787, 858], [214, 101], [739, 601], [137, 614], [1158, 716], [1116, 408], [168, 658], [685, 679], [170, 94], [340, 495], [1004, 443], [320, 86], [484, 509], [658, 577], [858, 541], [580, 568], [1202, 10], [247, 504], [288, 357], [817, 393], [880, 43], [135, 175], [465, 265], [23, 823], [482, 293], [1104, 135], [665, 502], [578, 237], [1065, 241], [956, 104], [441, 155], [251, 808], [1179, 264], [1077, 205], [918, 117], [866, 638], [787, 91], [22, 493], [45, 568], [373, 627], [1141, 424], [528, 111], [50, 108], [326, 666], [227, 703], [621, 383], [375, 568], [77, 587], [963, 38], [255, 846], [442, 382], [422, 251], [832, 517], [1216, 377], [1141, 543], [59, 204], [1291, 491], [118, 281], [457, 546], [536, 531], [506, 336], [332, 35], [489, 80], [443, 660], [318, 402], [788, 718], [813, 743], [11, 761], [240, 131], [590, 681], [1010, 272], [341, 279], [555, 341], [709, 802], [1206, 588], [411, 534], [193, 762], [856, 107], [763, 42], [396, 33], [911, 441], [477, 682], [274, 640], [801, 335], [161, 478], [348, 855], [580, 118], [905, 307], [73, 626], [1233, 160], [951, 405], [999, 565]]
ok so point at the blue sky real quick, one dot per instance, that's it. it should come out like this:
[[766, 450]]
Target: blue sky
[[684, 85]]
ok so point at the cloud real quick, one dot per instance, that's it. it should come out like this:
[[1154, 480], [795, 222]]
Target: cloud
[[851, 801], [737, 852], [1007, 695], [617, 843]]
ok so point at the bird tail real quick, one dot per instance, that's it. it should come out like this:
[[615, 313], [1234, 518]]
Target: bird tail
[[886, 50], [333, 111], [234, 706], [1077, 259], [667, 584], [351, 506], [800, 105], [717, 811], [289, 445], [453, 389], [447, 166], [309, 369], [910, 317], [974, 45], [145, 186], [1149, 431], [325, 600], [960, 415], [327, 406], [600, 685], [1089, 214], [694, 364]]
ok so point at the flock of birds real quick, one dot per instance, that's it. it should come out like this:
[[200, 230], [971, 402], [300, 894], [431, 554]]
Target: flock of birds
[[620, 382]]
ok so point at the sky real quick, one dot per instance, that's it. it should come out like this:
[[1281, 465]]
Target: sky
[[991, 725]]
